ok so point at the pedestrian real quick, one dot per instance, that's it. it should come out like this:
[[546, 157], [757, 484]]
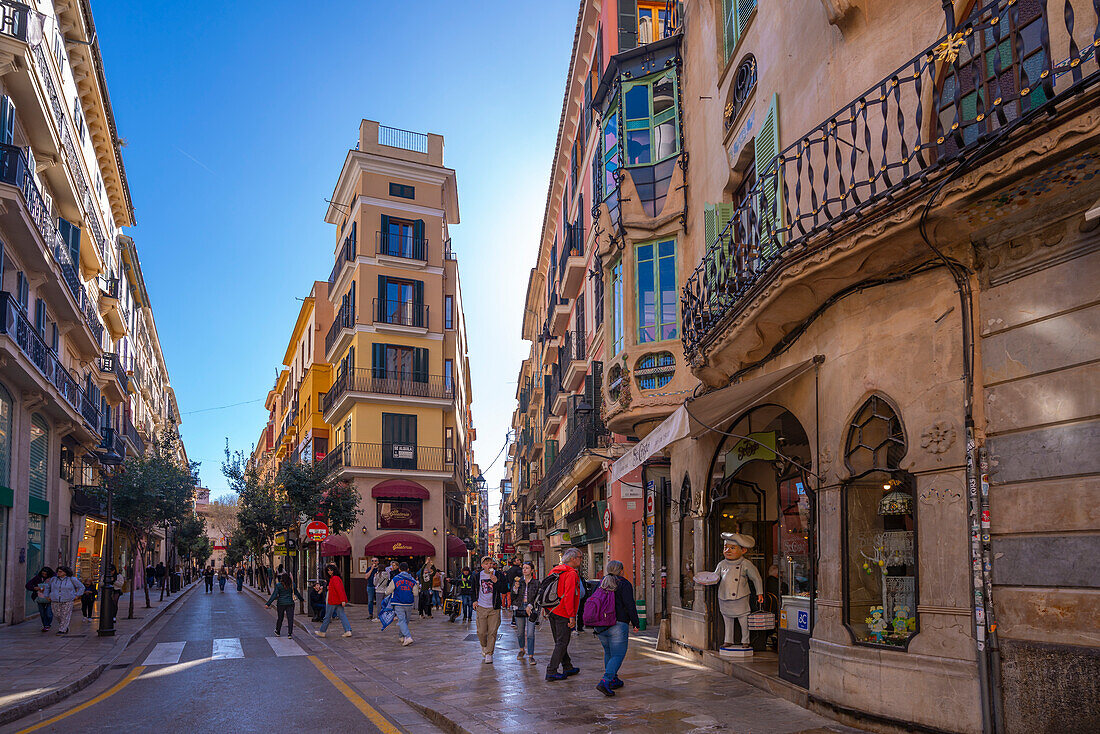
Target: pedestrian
[[63, 589], [465, 585], [525, 596], [373, 574], [610, 611], [437, 590], [118, 583], [317, 600], [37, 586], [427, 574], [251, 575], [240, 579], [223, 576], [150, 575], [208, 577], [563, 614], [405, 591], [490, 590], [161, 574], [283, 597], [513, 572], [334, 604], [87, 599], [587, 587]]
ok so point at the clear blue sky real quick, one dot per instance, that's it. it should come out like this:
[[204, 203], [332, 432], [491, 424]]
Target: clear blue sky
[[237, 118]]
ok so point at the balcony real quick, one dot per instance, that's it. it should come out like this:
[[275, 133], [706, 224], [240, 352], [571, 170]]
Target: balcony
[[346, 254], [342, 325], [883, 149], [571, 360], [13, 20], [571, 262], [114, 313], [14, 324], [448, 253], [559, 315], [130, 433], [589, 432], [390, 456], [110, 364], [406, 386], [393, 137], [111, 448], [406, 247], [407, 314]]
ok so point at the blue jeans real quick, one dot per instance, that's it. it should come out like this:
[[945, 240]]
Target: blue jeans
[[45, 611], [467, 607], [331, 612], [401, 614], [435, 598], [614, 641], [525, 634], [371, 595], [221, 582]]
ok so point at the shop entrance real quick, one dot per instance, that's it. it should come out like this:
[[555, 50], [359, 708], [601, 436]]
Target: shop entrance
[[758, 487]]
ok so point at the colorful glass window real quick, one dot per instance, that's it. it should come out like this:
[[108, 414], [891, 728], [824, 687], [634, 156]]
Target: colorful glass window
[[655, 370], [650, 120], [657, 296], [610, 149], [617, 331]]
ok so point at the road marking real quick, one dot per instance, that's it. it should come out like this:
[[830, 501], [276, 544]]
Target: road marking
[[165, 653], [284, 646], [227, 647], [103, 696], [357, 701]]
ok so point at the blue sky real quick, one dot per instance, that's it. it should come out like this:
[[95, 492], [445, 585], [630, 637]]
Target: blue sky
[[237, 118]]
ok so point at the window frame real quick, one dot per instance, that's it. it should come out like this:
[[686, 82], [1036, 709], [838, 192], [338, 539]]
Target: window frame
[[618, 326], [448, 312], [613, 155], [672, 114], [658, 325]]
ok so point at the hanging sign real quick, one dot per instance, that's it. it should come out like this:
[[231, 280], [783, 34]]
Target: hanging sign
[[316, 532], [756, 446]]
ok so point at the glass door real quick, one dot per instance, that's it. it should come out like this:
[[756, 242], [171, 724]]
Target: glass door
[[399, 302], [36, 539], [794, 556]]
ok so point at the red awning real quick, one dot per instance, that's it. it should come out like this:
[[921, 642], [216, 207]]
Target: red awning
[[400, 489], [455, 547], [335, 545], [399, 544]]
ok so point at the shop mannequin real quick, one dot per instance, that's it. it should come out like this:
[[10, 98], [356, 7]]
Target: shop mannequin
[[734, 574]]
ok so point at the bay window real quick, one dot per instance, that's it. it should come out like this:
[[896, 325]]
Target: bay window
[[617, 330], [650, 120], [656, 288]]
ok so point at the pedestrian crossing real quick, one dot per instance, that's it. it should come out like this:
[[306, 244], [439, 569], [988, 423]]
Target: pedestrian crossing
[[225, 648]]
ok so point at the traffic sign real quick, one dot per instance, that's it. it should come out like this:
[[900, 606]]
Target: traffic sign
[[649, 503], [607, 519], [316, 531]]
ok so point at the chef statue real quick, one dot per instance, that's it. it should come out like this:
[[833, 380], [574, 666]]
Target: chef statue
[[734, 574]]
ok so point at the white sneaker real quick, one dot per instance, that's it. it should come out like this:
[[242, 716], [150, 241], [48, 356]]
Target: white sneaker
[[489, 659], [531, 660], [346, 634], [406, 642]]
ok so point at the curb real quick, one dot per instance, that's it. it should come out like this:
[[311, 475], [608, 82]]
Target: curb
[[449, 720], [28, 706]]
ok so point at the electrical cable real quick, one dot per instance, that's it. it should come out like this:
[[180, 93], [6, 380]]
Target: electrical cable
[[222, 407]]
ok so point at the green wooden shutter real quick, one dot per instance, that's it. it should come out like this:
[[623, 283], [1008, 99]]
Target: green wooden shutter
[[628, 24], [729, 25], [40, 444], [710, 234], [70, 235], [549, 454], [7, 121], [768, 174], [418, 239], [378, 360], [385, 246], [418, 303], [382, 307], [420, 364]]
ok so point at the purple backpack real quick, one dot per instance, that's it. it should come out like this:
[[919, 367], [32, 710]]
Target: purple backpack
[[599, 609]]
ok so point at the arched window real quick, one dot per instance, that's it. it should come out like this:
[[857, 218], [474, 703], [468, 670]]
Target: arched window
[[655, 370], [998, 67], [880, 540], [40, 452], [5, 437], [744, 83]]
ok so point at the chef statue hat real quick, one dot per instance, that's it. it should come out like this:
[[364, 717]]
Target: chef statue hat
[[745, 541]]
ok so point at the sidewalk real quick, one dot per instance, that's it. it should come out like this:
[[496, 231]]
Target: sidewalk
[[39, 669], [443, 672]]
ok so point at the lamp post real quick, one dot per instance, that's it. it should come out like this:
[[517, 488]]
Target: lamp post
[[479, 485], [109, 457]]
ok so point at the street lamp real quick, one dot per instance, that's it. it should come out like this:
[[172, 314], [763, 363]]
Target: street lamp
[[112, 456]]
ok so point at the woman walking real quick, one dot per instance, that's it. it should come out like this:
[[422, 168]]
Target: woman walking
[[63, 589], [37, 587], [525, 594], [283, 596], [87, 599], [223, 576], [240, 578], [337, 598], [425, 598], [614, 638]]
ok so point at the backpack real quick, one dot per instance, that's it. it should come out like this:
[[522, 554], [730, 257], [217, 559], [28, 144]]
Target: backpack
[[547, 598], [599, 609]]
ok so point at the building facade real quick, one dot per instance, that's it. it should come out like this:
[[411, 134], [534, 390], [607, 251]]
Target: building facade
[[83, 381], [871, 359]]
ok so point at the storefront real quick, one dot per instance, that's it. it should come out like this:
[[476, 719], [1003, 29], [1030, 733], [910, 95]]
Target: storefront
[[89, 549]]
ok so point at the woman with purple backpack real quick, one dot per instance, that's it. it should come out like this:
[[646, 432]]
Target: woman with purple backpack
[[610, 611]]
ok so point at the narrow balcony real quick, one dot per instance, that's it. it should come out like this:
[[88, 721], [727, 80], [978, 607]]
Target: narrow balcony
[[342, 326], [589, 432], [403, 246], [114, 313], [111, 449], [406, 314], [130, 433], [346, 254], [573, 365], [571, 261], [559, 315], [883, 149], [119, 386], [388, 457], [398, 387]]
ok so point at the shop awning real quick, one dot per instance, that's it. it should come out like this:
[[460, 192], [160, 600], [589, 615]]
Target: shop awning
[[697, 415], [335, 545], [396, 489], [455, 547], [399, 544]]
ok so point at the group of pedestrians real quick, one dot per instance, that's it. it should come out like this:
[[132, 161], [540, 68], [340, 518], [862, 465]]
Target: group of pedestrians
[[56, 593], [223, 574]]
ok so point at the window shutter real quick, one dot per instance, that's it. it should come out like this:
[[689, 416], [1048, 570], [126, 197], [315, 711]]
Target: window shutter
[[351, 304], [378, 360], [710, 233], [628, 24], [418, 303], [382, 307], [7, 121], [70, 235], [386, 246], [418, 240], [596, 399], [420, 365], [768, 174], [40, 444], [40, 317], [551, 453]]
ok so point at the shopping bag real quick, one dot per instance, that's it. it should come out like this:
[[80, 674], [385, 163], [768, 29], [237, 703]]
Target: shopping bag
[[386, 614]]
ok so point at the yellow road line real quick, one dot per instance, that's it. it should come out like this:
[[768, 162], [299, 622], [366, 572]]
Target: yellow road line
[[376, 718], [101, 697]]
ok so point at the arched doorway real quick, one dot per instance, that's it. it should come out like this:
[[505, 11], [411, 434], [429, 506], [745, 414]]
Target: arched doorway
[[758, 486]]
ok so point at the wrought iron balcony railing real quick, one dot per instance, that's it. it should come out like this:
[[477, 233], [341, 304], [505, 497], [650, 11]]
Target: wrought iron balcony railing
[[130, 432], [401, 313], [954, 103], [14, 323], [110, 363], [346, 254], [402, 245], [405, 139], [345, 319], [389, 455], [588, 432], [388, 382]]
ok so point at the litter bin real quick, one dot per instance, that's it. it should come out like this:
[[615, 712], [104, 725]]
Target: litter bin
[[176, 581], [640, 604]]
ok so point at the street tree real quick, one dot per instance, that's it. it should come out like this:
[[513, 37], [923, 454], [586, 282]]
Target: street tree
[[221, 515], [260, 511], [313, 492], [191, 541]]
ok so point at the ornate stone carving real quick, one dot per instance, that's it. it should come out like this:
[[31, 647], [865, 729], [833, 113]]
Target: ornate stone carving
[[824, 461], [938, 437], [940, 495], [839, 11]]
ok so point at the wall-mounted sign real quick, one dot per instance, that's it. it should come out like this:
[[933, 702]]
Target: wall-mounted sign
[[607, 519], [399, 514], [536, 546], [404, 451]]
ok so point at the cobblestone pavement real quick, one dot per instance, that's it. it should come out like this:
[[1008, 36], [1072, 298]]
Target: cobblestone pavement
[[443, 670], [35, 663]]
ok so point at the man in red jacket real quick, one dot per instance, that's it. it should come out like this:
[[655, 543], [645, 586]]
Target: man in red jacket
[[563, 617]]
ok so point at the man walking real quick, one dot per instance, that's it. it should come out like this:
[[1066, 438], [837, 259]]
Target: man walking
[[405, 591], [563, 617], [208, 577], [514, 572], [161, 572], [490, 587]]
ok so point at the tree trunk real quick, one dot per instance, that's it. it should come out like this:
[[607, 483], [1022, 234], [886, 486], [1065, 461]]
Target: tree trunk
[[133, 576], [145, 581], [167, 571]]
